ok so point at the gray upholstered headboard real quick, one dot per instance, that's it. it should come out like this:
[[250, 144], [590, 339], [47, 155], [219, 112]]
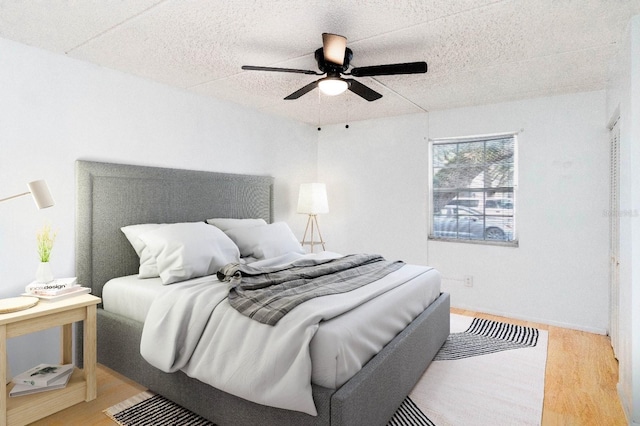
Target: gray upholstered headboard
[[110, 196]]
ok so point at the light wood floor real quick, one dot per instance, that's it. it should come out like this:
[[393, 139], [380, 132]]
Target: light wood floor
[[580, 383], [580, 378]]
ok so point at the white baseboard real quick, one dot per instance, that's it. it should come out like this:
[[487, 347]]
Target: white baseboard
[[594, 330], [625, 408]]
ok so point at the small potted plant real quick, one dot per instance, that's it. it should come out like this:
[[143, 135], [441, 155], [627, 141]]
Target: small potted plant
[[45, 238]]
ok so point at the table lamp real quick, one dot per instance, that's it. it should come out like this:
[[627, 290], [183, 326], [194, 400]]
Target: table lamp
[[39, 190]]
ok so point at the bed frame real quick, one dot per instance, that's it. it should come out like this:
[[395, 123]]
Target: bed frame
[[110, 196]]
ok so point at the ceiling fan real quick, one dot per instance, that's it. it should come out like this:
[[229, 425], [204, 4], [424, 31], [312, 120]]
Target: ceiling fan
[[333, 60]]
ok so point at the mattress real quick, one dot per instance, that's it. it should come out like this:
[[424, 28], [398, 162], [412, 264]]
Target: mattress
[[340, 347]]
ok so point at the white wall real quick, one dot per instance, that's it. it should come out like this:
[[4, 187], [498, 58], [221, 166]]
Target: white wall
[[376, 174], [624, 99], [376, 178], [55, 110]]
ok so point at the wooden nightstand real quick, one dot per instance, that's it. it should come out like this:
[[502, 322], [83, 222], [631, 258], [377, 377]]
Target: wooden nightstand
[[82, 385]]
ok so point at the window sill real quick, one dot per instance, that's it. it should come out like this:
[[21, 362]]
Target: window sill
[[514, 243]]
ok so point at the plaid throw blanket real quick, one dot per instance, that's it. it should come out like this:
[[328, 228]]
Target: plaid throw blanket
[[266, 295]]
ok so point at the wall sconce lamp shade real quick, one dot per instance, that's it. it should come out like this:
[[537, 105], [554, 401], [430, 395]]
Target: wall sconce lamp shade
[[312, 200], [39, 190]]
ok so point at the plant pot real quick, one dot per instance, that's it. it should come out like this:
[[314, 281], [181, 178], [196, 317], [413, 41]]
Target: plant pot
[[43, 273]]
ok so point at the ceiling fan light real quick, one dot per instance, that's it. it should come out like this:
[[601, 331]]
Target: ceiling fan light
[[332, 86]]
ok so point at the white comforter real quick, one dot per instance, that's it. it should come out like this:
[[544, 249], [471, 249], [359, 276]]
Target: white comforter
[[193, 328]]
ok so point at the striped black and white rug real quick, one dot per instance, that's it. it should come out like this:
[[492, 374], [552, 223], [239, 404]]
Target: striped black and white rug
[[150, 409], [486, 373]]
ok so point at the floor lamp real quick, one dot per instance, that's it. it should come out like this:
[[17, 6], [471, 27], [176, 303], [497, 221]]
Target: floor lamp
[[312, 200]]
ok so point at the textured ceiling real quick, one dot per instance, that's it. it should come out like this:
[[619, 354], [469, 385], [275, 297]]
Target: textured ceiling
[[478, 51]]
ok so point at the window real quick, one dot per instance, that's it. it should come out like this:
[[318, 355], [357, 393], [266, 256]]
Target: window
[[473, 183]]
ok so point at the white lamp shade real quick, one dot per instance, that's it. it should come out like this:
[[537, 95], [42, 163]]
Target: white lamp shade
[[40, 192], [312, 198], [332, 86]]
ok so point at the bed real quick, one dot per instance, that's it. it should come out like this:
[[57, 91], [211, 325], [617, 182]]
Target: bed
[[110, 196]]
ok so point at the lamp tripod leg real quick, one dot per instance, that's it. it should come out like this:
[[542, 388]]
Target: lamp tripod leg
[[315, 219], [312, 218], [309, 223], [312, 225]]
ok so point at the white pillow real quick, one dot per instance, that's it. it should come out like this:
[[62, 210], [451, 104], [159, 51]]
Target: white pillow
[[148, 267], [189, 250], [266, 241], [225, 223]]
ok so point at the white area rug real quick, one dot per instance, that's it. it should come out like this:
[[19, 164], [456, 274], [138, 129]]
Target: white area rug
[[494, 375]]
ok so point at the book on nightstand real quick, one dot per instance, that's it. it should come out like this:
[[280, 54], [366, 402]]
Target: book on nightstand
[[60, 294], [59, 284], [60, 288], [20, 390], [43, 375]]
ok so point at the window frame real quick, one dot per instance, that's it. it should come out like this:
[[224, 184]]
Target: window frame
[[475, 138]]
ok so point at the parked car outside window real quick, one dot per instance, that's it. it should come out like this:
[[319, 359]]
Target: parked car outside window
[[466, 202], [463, 222], [498, 207]]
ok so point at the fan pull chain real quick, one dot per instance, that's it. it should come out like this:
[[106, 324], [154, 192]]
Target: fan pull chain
[[346, 126], [319, 101]]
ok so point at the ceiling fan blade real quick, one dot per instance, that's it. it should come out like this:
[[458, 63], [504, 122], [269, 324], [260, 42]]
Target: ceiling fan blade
[[255, 68], [362, 90], [302, 91], [391, 69], [334, 46]]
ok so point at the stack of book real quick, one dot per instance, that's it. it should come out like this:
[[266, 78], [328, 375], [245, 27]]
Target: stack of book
[[59, 288], [41, 378]]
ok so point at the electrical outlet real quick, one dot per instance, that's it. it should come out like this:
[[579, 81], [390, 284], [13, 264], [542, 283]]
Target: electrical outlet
[[468, 280]]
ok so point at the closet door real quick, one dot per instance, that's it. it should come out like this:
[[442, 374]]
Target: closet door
[[614, 233]]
